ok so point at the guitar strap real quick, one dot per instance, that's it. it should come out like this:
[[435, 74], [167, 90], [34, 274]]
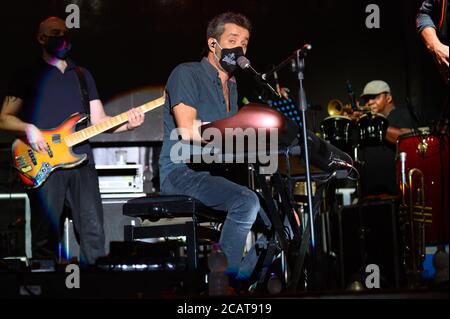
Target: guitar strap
[[83, 90]]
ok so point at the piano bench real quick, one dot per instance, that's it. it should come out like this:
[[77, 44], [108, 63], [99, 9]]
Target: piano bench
[[156, 206]]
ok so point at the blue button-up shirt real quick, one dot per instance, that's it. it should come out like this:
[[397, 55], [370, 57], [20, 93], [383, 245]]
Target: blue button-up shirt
[[198, 85]]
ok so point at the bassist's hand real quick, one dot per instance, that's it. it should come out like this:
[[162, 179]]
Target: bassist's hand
[[36, 139], [135, 118]]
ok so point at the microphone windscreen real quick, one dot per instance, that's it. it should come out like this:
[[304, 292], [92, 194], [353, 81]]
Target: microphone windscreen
[[243, 62]]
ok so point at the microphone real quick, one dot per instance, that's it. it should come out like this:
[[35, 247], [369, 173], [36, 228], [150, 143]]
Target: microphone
[[304, 50], [244, 64]]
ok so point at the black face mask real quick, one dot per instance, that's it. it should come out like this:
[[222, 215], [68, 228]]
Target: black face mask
[[228, 59], [58, 46]]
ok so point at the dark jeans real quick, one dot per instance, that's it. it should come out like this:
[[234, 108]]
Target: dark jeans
[[239, 203], [76, 189]]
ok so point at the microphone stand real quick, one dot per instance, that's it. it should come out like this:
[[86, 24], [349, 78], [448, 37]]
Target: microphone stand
[[303, 105], [300, 52], [298, 57]]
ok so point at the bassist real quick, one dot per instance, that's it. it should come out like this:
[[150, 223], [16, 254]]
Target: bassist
[[42, 97]]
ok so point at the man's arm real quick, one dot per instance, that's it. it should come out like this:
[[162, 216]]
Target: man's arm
[[427, 12], [393, 133], [10, 122], [98, 115], [426, 27], [8, 116], [438, 50], [187, 123]]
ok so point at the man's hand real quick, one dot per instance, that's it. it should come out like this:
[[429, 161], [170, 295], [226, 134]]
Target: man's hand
[[440, 54], [135, 118], [438, 50], [36, 139], [392, 133], [354, 114]]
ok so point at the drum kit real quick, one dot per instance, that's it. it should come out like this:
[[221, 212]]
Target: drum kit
[[350, 129]]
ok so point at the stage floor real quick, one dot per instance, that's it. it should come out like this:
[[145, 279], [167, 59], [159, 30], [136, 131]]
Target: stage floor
[[167, 285]]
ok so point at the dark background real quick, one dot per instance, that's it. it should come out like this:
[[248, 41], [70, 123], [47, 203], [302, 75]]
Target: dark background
[[135, 43]]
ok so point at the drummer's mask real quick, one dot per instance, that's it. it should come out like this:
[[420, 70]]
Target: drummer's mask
[[228, 58]]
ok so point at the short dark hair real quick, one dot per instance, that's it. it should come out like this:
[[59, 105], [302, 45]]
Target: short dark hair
[[216, 25]]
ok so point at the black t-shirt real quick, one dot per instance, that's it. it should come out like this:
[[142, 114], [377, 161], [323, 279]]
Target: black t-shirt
[[378, 174], [51, 96]]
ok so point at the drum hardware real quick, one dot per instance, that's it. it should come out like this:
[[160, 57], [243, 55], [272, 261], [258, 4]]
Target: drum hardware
[[422, 147], [413, 219]]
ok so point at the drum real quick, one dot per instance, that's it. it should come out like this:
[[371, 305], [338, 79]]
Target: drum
[[340, 131], [429, 153], [372, 129]]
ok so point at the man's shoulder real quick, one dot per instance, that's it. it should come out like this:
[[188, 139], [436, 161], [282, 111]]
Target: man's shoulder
[[399, 111], [186, 71], [400, 117], [86, 73], [187, 67], [72, 64]]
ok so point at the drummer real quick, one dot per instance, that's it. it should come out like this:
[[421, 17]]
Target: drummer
[[378, 173]]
